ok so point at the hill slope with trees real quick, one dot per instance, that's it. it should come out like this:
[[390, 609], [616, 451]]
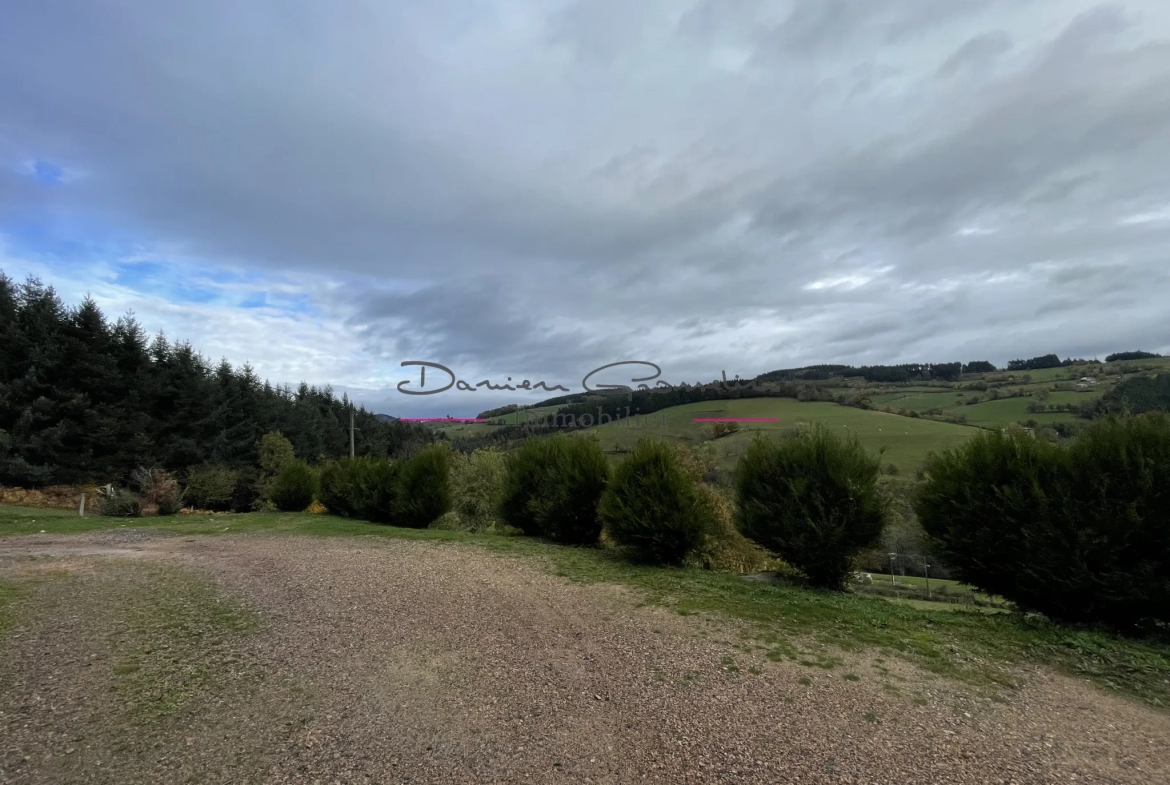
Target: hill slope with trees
[[84, 400]]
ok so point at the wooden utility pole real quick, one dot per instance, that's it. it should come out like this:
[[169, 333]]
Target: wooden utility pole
[[351, 430]]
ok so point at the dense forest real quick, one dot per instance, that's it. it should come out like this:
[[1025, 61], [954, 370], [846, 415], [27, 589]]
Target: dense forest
[[1046, 361], [86, 400], [1120, 356]]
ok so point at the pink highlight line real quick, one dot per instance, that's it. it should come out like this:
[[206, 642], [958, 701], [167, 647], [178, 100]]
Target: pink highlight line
[[736, 419], [440, 419]]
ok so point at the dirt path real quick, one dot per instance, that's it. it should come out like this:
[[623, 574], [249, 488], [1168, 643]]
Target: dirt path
[[143, 657]]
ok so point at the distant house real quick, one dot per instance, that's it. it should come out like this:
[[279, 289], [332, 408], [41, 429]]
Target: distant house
[[1086, 382]]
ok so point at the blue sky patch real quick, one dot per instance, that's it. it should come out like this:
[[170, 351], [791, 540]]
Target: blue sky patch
[[47, 173]]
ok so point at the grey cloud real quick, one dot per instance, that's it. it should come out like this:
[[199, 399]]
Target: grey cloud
[[977, 52], [576, 183], [866, 330]]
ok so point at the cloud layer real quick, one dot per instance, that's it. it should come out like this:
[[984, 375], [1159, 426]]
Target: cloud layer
[[537, 188]]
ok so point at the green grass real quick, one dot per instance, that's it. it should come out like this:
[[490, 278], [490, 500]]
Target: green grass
[[921, 401], [175, 641], [792, 623], [907, 440], [1005, 411]]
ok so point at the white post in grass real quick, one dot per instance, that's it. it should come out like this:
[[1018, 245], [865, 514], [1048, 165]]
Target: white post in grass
[[892, 557], [81, 509]]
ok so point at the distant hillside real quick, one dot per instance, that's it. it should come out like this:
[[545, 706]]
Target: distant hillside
[[888, 374], [385, 418]]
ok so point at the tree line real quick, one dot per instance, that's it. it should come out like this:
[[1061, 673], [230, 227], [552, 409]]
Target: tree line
[[879, 374], [86, 400]]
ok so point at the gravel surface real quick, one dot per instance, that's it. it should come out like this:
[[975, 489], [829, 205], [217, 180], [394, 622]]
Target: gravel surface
[[388, 661]]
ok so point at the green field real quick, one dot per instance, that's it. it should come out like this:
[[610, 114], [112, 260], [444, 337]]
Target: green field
[[999, 413], [921, 401], [906, 440], [1005, 411], [473, 429]]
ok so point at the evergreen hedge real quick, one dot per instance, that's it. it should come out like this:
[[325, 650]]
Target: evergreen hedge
[[1081, 534], [553, 486], [423, 488], [813, 499], [293, 487], [653, 506]]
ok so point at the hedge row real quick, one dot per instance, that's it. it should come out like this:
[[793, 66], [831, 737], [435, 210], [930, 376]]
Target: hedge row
[[812, 498], [410, 493], [1080, 533]]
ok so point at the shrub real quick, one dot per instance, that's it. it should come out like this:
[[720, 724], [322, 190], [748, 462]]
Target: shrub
[[210, 487], [122, 504], [335, 488], [423, 491], [274, 452], [653, 506], [375, 486], [1078, 534], [552, 488], [477, 481], [158, 488], [813, 498], [725, 549], [246, 494], [294, 486], [979, 502], [360, 488], [720, 429]]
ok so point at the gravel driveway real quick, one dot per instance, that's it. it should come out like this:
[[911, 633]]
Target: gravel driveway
[[153, 658]]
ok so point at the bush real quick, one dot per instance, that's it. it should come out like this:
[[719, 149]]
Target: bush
[[980, 501], [158, 488], [653, 506], [274, 452], [477, 481], [552, 488], [246, 495], [1078, 534], [720, 429], [726, 549], [813, 498], [360, 488], [293, 488], [335, 488], [210, 488], [423, 490], [122, 504]]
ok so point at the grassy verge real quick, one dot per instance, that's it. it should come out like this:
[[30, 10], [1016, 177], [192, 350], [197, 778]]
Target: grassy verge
[[977, 648]]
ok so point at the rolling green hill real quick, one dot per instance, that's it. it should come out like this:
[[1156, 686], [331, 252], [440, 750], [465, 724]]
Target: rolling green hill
[[906, 440]]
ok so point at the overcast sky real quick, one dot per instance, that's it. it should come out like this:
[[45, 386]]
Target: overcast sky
[[534, 188]]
